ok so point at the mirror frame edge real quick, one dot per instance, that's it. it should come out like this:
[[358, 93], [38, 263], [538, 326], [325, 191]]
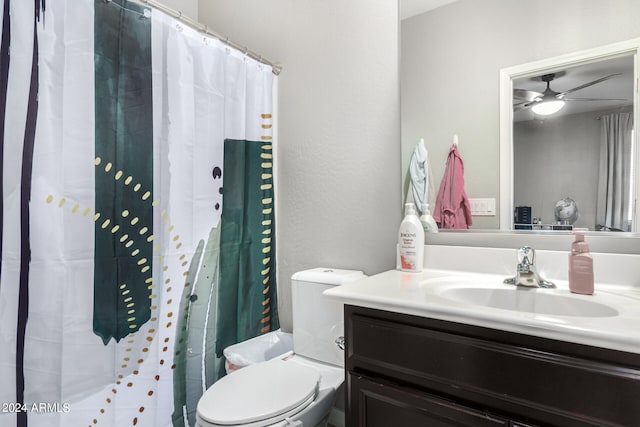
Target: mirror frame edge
[[627, 47]]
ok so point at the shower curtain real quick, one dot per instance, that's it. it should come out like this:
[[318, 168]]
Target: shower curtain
[[616, 162], [137, 213]]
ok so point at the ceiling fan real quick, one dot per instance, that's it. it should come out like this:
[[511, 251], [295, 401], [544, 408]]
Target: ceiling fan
[[550, 101]]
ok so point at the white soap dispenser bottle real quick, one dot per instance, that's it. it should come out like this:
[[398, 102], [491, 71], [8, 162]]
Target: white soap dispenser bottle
[[428, 223], [411, 241]]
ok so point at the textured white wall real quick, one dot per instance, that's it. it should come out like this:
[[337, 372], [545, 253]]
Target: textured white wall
[[451, 58], [338, 149]]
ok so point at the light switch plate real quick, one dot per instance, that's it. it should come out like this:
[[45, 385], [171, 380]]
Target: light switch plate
[[483, 206]]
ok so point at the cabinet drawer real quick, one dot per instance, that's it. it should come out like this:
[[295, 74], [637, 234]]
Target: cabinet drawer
[[506, 374], [383, 405]]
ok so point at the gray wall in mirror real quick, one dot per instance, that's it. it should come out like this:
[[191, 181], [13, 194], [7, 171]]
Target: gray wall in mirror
[[450, 63], [569, 149]]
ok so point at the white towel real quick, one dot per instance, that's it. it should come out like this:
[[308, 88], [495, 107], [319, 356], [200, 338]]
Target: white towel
[[421, 178]]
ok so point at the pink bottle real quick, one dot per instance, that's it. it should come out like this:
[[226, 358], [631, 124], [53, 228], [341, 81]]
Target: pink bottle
[[580, 267]]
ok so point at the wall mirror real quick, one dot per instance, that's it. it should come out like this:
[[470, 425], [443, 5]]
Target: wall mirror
[[459, 66], [574, 167]]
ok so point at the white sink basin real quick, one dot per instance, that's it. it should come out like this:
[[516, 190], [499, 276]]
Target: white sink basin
[[532, 300], [607, 319]]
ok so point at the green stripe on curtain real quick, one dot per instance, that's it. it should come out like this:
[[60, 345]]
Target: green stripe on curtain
[[247, 304], [124, 169], [196, 364]]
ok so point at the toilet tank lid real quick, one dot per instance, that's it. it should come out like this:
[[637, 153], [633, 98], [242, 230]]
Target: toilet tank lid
[[329, 276]]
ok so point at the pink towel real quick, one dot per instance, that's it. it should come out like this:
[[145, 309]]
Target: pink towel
[[452, 208]]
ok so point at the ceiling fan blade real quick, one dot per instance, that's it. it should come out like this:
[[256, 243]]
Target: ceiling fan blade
[[594, 99], [589, 84], [527, 95], [522, 106]]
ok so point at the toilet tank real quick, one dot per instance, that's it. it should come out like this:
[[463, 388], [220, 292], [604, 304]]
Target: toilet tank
[[317, 320]]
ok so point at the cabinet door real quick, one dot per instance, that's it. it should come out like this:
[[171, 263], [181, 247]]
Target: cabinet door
[[549, 382], [374, 404]]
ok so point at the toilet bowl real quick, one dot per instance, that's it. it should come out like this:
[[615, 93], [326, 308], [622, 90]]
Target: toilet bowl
[[298, 390], [273, 393]]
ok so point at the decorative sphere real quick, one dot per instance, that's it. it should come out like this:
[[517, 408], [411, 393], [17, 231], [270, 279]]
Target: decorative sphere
[[566, 211]]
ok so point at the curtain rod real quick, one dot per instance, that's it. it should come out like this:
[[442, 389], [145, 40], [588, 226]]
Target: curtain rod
[[276, 68], [623, 109]]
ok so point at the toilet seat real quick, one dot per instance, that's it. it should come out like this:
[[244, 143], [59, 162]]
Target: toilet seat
[[260, 394]]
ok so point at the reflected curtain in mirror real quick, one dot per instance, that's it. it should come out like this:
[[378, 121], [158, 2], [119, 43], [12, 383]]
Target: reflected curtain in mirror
[[614, 184]]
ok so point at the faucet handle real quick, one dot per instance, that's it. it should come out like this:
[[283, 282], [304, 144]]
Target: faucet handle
[[526, 256]]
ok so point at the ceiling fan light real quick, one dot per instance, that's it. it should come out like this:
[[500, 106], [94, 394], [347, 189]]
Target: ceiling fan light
[[547, 108]]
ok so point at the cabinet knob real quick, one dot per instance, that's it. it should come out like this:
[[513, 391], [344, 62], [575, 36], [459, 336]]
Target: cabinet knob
[[340, 342]]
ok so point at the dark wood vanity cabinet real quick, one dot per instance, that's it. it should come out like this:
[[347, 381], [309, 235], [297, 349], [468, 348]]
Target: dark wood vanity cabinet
[[412, 371]]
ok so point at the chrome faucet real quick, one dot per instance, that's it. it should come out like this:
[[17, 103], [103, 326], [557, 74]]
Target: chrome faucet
[[526, 274]]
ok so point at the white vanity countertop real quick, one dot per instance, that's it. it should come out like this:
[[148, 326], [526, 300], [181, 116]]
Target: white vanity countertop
[[418, 294]]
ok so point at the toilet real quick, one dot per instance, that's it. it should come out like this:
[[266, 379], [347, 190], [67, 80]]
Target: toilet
[[298, 390]]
